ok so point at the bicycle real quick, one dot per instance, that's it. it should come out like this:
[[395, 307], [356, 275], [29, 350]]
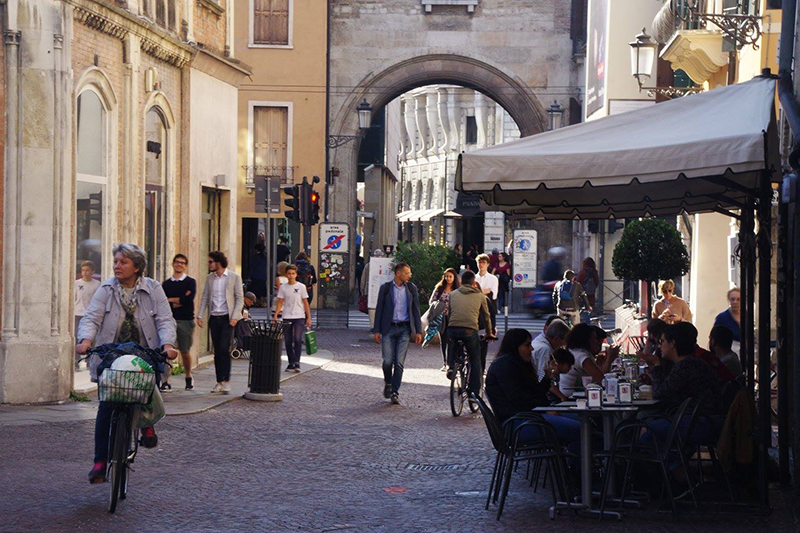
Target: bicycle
[[459, 383], [126, 390]]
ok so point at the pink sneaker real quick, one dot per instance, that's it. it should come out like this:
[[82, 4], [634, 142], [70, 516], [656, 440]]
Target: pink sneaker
[[98, 473]]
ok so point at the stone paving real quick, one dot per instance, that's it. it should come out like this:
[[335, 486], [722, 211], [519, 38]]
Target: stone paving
[[334, 455]]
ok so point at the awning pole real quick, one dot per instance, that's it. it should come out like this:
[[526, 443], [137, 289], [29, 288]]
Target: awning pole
[[783, 313], [764, 330], [745, 286]]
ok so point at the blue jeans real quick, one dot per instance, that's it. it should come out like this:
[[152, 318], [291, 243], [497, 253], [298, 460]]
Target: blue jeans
[[568, 432], [293, 329], [472, 344], [394, 347]]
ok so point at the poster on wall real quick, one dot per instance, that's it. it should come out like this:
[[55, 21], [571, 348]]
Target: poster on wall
[[380, 271], [596, 53], [334, 286], [524, 266]]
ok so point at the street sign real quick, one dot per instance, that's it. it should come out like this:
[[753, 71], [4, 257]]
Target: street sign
[[334, 238], [494, 230], [525, 258]]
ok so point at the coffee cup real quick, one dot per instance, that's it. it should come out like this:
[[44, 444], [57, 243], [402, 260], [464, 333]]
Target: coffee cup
[[581, 404]]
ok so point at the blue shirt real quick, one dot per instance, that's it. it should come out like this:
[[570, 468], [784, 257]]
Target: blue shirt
[[726, 319], [400, 313]]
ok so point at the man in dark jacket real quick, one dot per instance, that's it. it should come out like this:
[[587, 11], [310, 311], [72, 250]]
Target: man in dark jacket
[[397, 318]]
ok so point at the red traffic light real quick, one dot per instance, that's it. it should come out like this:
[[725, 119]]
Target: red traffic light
[[314, 197]]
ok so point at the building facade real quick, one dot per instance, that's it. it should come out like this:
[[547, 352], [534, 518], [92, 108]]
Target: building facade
[[281, 113], [121, 115]]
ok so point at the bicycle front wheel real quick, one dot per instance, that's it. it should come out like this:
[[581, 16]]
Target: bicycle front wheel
[[457, 387], [120, 433]]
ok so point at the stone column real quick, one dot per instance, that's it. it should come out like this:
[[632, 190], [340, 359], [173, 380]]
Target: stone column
[[432, 116], [131, 199], [441, 106], [409, 112], [420, 102], [36, 348], [480, 118]]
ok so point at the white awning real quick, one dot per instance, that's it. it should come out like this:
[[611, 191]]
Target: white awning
[[695, 153], [410, 216], [431, 213]]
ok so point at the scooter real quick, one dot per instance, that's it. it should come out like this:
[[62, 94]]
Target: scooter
[[539, 300]]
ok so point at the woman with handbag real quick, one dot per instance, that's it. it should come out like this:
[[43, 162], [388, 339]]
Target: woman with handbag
[[438, 301]]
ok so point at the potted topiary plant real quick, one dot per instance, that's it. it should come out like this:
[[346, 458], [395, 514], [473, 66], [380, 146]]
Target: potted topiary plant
[[428, 262], [650, 249]]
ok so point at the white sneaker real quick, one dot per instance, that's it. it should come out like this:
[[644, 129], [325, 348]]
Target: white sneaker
[[217, 388], [226, 387]]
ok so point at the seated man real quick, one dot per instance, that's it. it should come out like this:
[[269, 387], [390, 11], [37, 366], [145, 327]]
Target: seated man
[[465, 308], [720, 343]]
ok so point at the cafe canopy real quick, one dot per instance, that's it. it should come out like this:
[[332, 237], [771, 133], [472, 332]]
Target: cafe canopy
[[699, 153]]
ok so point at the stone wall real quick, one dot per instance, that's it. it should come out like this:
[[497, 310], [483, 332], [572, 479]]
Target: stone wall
[[210, 24]]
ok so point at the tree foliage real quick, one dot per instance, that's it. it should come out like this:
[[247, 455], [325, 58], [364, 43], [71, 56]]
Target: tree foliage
[[428, 262], [650, 249]]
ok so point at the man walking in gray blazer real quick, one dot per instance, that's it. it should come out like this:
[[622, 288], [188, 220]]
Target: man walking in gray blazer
[[223, 297]]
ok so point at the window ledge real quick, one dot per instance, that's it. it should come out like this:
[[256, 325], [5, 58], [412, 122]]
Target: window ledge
[[212, 6], [289, 46], [470, 4]]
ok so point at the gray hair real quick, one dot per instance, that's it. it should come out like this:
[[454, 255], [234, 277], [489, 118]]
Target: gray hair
[[378, 253], [558, 329], [134, 253]]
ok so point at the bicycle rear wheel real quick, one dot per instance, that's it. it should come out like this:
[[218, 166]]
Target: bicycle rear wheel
[[121, 436], [457, 387]]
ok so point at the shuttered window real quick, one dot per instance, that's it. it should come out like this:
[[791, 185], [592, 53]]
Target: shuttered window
[[271, 22], [270, 139]]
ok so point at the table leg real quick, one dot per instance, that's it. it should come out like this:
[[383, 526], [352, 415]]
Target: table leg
[[586, 461], [608, 441]]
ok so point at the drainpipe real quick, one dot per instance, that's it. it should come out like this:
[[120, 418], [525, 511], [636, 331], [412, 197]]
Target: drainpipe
[[786, 94]]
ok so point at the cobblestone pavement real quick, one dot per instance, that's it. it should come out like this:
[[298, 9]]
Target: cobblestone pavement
[[334, 455]]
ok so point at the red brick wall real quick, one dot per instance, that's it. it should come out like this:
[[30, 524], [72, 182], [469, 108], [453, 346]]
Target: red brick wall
[[210, 28]]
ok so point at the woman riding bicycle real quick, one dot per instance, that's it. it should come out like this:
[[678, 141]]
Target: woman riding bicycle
[[126, 308]]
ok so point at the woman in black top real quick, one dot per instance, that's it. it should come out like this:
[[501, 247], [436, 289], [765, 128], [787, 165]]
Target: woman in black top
[[512, 387]]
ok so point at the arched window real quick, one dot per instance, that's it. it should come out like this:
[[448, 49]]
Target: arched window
[[92, 180], [155, 171]]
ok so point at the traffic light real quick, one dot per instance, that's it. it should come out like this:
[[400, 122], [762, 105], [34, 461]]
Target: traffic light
[[313, 207], [614, 225], [294, 202]]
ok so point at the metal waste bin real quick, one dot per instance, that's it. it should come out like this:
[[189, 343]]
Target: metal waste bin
[[265, 358]]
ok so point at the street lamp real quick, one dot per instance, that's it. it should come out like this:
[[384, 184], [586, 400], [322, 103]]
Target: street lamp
[[643, 54], [556, 113], [364, 111]]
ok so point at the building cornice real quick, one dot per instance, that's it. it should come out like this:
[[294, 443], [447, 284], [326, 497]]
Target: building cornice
[[118, 23], [697, 52]]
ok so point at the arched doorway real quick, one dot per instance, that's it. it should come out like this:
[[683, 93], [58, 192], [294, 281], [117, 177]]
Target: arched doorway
[[381, 88]]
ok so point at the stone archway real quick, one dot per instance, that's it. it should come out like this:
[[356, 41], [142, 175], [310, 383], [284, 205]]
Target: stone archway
[[381, 88]]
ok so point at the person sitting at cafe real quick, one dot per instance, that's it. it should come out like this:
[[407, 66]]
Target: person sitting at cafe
[[670, 308], [512, 387], [689, 377], [720, 342], [584, 344]]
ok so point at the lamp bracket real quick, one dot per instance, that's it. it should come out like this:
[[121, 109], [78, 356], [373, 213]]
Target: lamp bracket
[[335, 141]]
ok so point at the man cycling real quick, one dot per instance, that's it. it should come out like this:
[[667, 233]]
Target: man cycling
[[570, 298], [466, 307]]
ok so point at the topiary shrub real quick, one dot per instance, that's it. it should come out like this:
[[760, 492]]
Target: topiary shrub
[[650, 249], [428, 262]]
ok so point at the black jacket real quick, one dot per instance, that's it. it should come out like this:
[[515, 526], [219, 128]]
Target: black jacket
[[512, 387]]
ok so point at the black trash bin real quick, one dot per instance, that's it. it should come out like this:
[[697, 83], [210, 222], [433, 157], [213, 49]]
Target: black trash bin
[[265, 357]]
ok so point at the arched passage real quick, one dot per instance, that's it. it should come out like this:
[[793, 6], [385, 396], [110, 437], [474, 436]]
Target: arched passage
[[382, 87]]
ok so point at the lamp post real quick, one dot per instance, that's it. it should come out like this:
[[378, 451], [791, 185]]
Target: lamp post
[[364, 111], [643, 54], [556, 114]]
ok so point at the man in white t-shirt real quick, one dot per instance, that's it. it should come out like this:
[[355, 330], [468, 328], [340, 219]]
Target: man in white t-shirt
[[84, 290], [292, 299], [490, 286]]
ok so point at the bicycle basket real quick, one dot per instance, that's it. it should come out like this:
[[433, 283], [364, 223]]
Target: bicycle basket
[[125, 386]]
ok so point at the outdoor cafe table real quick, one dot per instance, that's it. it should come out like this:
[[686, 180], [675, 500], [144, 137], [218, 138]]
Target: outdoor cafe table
[[609, 412]]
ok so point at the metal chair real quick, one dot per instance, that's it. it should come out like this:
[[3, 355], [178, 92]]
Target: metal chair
[[627, 446]]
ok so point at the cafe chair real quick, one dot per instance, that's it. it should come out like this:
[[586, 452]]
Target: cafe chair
[[627, 447], [507, 455]]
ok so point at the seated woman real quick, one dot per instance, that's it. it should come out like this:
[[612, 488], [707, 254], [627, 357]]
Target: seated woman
[[584, 344], [670, 308], [512, 387], [689, 377]]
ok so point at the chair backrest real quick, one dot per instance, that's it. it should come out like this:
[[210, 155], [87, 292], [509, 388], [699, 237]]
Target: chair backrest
[[694, 409], [729, 392], [673, 427], [492, 424]]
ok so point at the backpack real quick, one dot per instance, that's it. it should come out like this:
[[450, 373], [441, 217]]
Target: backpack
[[305, 274], [565, 290]]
